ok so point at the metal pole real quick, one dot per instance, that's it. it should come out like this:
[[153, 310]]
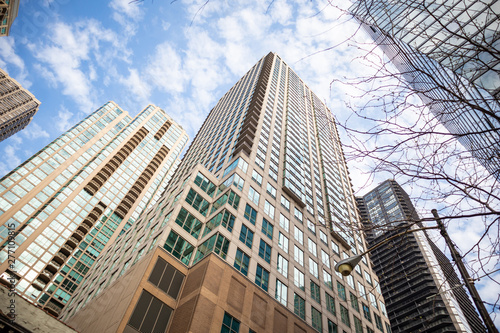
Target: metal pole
[[457, 258]]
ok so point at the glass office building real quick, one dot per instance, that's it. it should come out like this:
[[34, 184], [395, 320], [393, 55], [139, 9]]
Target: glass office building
[[448, 51], [64, 205], [247, 233]]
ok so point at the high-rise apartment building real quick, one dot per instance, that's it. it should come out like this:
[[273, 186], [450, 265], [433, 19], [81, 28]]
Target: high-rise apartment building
[[17, 106], [448, 52], [63, 206], [8, 13], [422, 292], [247, 233]]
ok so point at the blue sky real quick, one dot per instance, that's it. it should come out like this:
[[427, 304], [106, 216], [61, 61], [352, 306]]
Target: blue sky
[[74, 56], [182, 56]]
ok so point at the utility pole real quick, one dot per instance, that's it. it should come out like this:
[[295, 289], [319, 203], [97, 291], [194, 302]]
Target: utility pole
[[469, 283]]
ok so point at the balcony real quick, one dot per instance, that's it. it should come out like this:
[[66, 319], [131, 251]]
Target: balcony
[[78, 235], [53, 309], [60, 257]]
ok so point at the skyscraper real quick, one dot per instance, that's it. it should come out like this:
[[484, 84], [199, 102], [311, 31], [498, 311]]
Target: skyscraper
[[17, 106], [420, 287], [247, 233], [448, 52], [8, 13], [64, 205]]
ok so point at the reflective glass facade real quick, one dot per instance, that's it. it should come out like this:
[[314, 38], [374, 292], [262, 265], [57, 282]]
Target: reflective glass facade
[[61, 208], [448, 52]]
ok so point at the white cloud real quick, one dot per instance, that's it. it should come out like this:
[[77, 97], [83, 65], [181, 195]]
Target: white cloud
[[64, 119], [127, 13], [34, 131], [67, 56], [8, 57], [10, 158], [165, 25], [164, 70], [137, 86]]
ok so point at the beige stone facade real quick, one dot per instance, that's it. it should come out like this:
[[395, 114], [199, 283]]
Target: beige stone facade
[[263, 186]]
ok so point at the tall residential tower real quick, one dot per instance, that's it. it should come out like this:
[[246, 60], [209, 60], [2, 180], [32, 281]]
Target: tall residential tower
[[17, 106], [422, 292], [247, 234], [64, 205]]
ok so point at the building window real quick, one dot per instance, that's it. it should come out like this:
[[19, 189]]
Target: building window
[[206, 185], [166, 278], [315, 295], [366, 312], [188, 222], [373, 300], [378, 322], [269, 209], [281, 292], [299, 306], [332, 328], [262, 278], [335, 248], [284, 223], [325, 258], [341, 291], [298, 255], [358, 327], [354, 301], [250, 214], [323, 237], [197, 201], [282, 266], [311, 226], [382, 309], [388, 328], [350, 281], [150, 314], [327, 278], [267, 228], [257, 177], [241, 262], [229, 324], [344, 315], [285, 203], [179, 247], [253, 195], [299, 235], [283, 242], [311, 246], [298, 279], [298, 214], [316, 320], [368, 278], [330, 303], [246, 236], [362, 291], [313, 268], [265, 251], [271, 190]]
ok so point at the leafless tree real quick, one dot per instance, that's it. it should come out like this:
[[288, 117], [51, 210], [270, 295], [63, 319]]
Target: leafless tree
[[426, 115]]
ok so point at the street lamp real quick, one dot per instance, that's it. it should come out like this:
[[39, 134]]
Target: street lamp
[[346, 266]]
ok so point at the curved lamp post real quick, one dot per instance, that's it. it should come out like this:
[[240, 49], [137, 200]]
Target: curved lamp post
[[346, 266]]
